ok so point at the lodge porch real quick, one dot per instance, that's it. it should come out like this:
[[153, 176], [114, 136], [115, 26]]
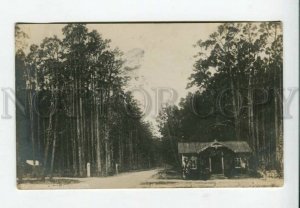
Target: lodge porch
[[214, 159]]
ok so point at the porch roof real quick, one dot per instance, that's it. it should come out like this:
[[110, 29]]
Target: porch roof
[[197, 147]]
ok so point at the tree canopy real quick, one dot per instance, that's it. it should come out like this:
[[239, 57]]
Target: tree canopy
[[238, 73], [77, 108]]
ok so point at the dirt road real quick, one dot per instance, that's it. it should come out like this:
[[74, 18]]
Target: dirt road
[[146, 179], [123, 180]]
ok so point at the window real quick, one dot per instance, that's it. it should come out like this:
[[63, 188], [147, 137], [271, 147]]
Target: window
[[237, 162], [193, 162], [184, 160]]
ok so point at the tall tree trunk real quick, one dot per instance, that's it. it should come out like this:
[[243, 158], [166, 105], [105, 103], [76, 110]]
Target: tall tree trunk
[[49, 131], [257, 136], [130, 150], [107, 150], [120, 150], [236, 108], [251, 129], [264, 146], [98, 144], [276, 126], [53, 150], [31, 117], [280, 124]]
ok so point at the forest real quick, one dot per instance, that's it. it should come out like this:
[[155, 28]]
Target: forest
[[238, 80], [76, 108]]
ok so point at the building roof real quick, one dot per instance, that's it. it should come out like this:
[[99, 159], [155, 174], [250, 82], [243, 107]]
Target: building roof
[[197, 147]]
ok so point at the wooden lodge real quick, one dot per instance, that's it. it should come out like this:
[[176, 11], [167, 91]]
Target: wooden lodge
[[202, 160]]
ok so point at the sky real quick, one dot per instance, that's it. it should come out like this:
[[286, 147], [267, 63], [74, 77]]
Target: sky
[[161, 54]]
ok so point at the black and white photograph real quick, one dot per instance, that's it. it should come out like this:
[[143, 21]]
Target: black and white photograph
[[161, 103], [114, 105]]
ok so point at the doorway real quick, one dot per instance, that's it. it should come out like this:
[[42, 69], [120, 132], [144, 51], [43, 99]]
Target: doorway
[[216, 164]]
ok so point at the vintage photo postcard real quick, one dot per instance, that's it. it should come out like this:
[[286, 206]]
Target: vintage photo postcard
[[149, 105]]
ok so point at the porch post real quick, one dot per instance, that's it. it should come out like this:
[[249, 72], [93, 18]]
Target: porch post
[[222, 163], [209, 159]]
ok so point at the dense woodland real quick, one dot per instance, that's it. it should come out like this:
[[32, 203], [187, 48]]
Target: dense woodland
[[76, 110], [238, 81]]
